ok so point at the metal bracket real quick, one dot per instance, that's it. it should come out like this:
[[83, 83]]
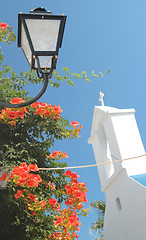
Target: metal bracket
[[45, 75]]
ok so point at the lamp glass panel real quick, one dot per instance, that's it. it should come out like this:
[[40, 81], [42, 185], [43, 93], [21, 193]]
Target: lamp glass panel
[[43, 33], [45, 62], [25, 45]]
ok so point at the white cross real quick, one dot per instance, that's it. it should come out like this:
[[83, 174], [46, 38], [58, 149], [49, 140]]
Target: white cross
[[101, 98]]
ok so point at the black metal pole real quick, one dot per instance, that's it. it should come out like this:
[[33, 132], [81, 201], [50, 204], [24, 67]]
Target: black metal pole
[[45, 76]]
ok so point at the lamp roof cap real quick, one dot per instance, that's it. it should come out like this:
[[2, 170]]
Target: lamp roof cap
[[40, 10]]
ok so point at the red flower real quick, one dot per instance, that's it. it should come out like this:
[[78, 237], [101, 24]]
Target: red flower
[[34, 105], [74, 175], [42, 203], [57, 208], [71, 175], [68, 189], [17, 100], [18, 194], [33, 167], [69, 202], [31, 196], [41, 104], [33, 213], [31, 183], [52, 202], [68, 172], [54, 154], [4, 177], [11, 116], [57, 110], [4, 26], [75, 235], [21, 181], [58, 222], [64, 155], [59, 154], [74, 123], [33, 180], [23, 175], [79, 206], [24, 166]]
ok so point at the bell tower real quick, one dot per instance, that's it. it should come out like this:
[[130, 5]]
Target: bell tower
[[115, 136]]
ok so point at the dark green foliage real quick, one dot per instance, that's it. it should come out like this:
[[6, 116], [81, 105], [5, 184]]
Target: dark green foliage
[[29, 141]]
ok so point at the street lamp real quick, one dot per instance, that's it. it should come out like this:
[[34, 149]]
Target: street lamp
[[40, 35]]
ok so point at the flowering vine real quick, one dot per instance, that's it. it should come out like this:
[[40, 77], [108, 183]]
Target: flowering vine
[[13, 115], [26, 179], [47, 110], [6, 33], [66, 222]]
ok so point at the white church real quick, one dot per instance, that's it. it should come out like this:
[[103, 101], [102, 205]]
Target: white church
[[115, 136]]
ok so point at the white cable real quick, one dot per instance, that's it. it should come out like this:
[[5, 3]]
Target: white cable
[[93, 165]]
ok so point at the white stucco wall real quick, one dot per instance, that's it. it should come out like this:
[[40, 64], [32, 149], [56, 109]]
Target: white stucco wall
[[115, 135], [127, 223]]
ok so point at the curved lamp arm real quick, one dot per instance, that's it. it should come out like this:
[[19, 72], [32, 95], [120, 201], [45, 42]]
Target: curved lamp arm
[[45, 76]]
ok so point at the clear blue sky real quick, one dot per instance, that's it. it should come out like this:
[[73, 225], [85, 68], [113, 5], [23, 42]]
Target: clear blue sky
[[99, 35]]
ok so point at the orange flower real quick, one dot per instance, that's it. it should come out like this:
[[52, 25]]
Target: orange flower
[[42, 204], [79, 206], [64, 155], [54, 154], [75, 124], [24, 190], [44, 109], [18, 194], [52, 186]]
